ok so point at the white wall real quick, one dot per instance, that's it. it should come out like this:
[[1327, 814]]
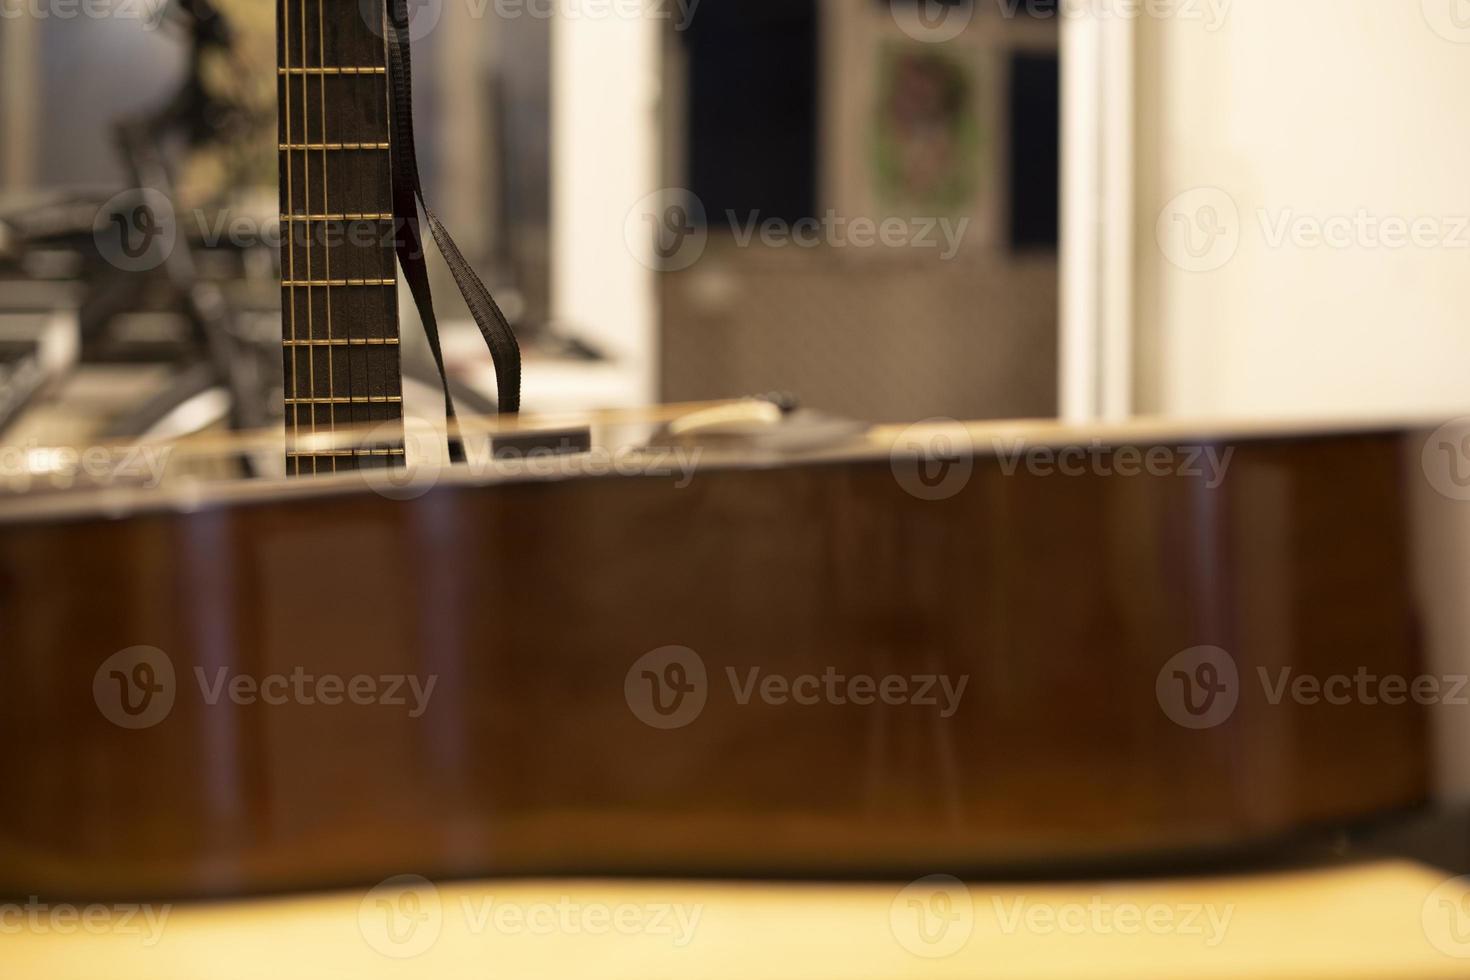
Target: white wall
[[1308, 109], [605, 147]]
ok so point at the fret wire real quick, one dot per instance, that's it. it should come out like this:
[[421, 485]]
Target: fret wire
[[334, 70], [327, 255], [349, 400], [346, 342], [323, 283], [290, 205], [306, 206], [337, 217], [345, 452], [305, 147]]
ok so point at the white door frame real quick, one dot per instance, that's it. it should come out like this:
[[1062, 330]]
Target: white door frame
[[1095, 362]]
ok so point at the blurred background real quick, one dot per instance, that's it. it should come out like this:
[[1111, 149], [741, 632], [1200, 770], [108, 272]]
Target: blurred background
[[893, 209], [871, 204]]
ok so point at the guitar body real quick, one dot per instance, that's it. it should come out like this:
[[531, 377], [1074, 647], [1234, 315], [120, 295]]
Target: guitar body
[[1036, 621]]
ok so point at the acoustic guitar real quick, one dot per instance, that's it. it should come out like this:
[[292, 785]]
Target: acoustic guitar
[[721, 641]]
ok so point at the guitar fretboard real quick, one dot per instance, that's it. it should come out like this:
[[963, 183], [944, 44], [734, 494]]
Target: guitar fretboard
[[339, 299]]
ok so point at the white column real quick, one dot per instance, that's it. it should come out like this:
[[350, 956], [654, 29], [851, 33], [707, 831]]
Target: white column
[[1096, 344], [604, 149]]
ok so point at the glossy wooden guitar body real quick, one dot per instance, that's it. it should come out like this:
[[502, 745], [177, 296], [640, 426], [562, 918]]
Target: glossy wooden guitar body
[[1060, 600]]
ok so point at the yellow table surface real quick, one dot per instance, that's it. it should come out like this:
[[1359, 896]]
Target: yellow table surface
[[1385, 920]]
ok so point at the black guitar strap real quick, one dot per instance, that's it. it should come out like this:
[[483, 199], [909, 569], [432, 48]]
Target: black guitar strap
[[408, 194]]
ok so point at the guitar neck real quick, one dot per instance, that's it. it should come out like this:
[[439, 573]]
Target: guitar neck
[[338, 291]]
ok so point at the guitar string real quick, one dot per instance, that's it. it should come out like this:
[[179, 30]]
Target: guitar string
[[294, 404], [386, 360], [326, 210], [306, 189]]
